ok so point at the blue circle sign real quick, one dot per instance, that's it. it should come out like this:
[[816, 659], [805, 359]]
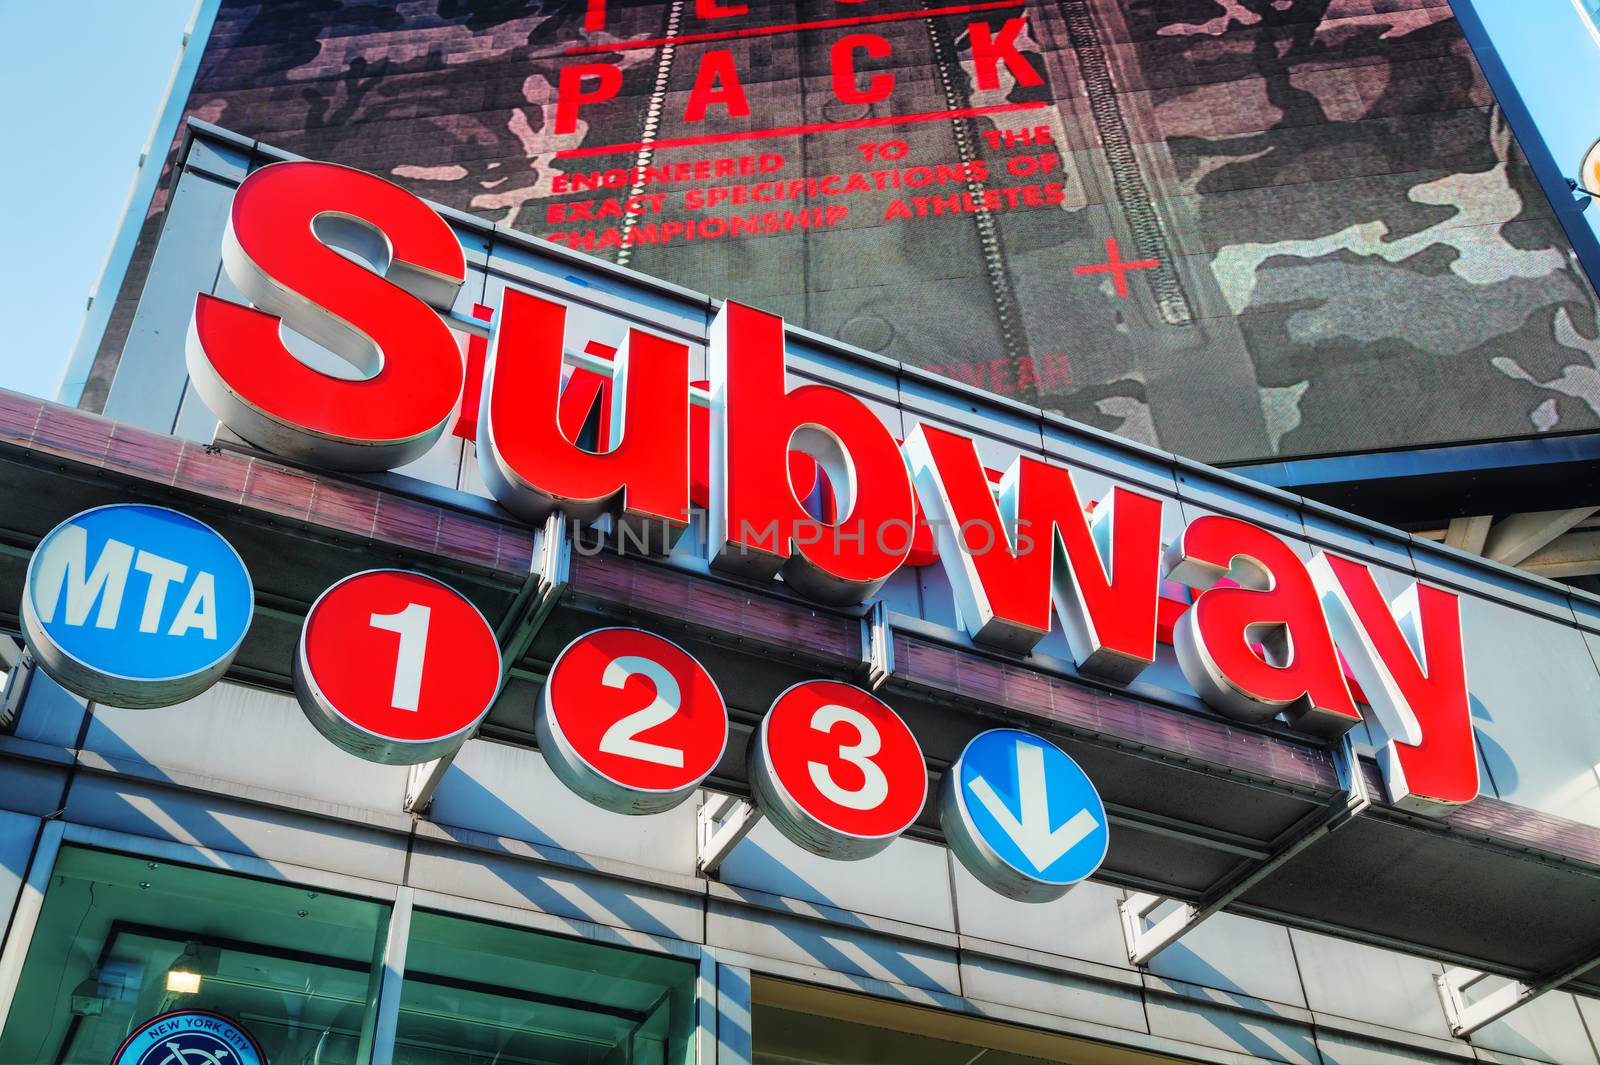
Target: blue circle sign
[[189, 1037], [1022, 816], [136, 606]]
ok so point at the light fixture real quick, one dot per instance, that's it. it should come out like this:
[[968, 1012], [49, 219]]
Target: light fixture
[[180, 982], [187, 970]]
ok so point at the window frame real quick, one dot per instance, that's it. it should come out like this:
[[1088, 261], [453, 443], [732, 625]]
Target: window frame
[[713, 1005]]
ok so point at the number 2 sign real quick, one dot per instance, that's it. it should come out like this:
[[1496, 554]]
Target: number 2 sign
[[630, 721], [395, 667]]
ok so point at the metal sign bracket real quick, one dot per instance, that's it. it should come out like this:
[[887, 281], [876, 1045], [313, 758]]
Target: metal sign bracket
[[1145, 937], [877, 645], [724, 820], [15, 690], [1467, 1017], [538, 596]]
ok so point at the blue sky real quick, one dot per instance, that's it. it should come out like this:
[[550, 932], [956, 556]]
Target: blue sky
[[82, 81]]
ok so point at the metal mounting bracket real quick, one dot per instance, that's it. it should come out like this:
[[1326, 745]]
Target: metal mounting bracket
[[724, 820], [1145, 936], [1467, 1017], [16, 688], [422, 780], [877, 645], [538, 596]]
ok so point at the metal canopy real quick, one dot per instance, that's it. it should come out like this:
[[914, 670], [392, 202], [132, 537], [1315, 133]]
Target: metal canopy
[[1207, 811]]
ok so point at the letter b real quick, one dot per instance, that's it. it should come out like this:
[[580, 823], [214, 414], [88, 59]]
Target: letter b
[[758, 526]]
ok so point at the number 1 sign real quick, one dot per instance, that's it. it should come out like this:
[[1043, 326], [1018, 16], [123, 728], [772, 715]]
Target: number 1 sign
[[395, 667]]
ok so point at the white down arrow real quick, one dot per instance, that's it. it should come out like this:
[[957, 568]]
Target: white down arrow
[[1040, 844]]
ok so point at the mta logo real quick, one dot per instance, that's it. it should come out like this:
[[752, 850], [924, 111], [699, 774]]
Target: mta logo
[[134, 605], [69, 586]]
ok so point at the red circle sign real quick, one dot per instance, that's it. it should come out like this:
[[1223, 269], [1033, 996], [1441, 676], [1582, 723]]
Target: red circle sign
[[630, 721], [396, 667], [836, 770]]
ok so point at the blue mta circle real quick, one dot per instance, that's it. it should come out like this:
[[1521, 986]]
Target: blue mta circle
[[189, 1037], [1032, 806], [139, 593]]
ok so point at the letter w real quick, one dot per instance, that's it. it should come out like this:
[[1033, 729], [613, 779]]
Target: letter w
[[1008, 559]]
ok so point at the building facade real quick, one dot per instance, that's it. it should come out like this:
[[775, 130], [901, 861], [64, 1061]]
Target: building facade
[[256, 870]]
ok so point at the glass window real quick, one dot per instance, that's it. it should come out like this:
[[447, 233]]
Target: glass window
[[482, 994], [121, 940], [793, 1024]]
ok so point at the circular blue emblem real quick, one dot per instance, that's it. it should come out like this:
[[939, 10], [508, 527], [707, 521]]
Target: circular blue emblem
[[1022, 816], [190, 1037], [134, 605]]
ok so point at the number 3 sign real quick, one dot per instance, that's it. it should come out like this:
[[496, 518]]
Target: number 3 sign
[[836, 770], [396, 667], [630, 721]]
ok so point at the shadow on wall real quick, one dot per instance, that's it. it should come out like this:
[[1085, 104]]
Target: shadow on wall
[[1500, 772], [1257, 1037], [594, 899]]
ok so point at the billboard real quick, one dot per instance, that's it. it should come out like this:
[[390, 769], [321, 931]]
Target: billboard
[[1233, 228], [1537, 68]]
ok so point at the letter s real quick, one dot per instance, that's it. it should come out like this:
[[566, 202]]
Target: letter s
[[381, 320]]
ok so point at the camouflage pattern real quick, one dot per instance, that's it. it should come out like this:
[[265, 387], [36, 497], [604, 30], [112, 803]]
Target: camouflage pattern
[[1353, 253]]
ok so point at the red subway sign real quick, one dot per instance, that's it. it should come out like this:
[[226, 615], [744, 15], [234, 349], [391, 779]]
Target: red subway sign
[[804, 483]]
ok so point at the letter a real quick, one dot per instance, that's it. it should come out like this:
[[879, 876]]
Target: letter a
[[1261, 647]]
